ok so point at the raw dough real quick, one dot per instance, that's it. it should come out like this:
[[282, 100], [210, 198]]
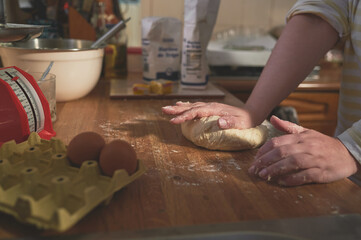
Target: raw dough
[[205, 133]]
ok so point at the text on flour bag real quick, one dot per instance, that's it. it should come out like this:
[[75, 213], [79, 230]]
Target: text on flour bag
[[161, 48]]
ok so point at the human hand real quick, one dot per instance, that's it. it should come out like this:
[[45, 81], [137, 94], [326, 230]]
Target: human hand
[[302, 156], [230, 117]]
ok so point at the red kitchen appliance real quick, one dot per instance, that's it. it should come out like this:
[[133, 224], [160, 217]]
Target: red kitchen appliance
[[23, 107]]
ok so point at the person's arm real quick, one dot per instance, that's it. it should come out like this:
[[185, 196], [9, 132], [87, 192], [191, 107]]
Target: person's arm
[[303, 42], [305, 39]]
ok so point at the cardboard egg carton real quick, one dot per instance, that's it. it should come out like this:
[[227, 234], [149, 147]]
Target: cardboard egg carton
[[39, 186]]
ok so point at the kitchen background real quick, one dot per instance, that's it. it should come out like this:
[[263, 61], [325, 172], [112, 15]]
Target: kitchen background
[[263, 14], [79, 19]]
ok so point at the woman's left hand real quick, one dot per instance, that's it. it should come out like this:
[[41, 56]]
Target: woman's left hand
[[230, 116], [302, 156]]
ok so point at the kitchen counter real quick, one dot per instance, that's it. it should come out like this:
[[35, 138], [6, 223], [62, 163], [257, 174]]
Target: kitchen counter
[[184, 185]]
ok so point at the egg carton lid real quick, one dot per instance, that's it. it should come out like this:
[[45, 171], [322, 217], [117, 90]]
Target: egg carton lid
[[38, 185]]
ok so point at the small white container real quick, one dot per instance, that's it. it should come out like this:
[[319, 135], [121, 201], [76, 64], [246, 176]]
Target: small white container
[[48, 88], [77, 66]]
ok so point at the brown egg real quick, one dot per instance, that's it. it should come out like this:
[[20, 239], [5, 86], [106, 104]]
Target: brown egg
[[118, 154], [85, 146]]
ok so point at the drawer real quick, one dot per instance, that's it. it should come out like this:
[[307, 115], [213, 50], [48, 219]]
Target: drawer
[[316, 110], [316, 106]]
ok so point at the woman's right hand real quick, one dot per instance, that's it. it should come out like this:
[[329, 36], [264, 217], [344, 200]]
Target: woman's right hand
[[230, 117]]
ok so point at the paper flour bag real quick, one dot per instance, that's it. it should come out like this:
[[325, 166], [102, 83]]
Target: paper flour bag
[[199, 19], [161, 48]]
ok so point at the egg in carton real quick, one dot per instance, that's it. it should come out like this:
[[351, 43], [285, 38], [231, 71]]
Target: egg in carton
[[38, 185]]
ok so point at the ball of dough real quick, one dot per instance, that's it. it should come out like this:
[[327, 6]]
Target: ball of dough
[[205, 133], [85, 146], [118, 154]]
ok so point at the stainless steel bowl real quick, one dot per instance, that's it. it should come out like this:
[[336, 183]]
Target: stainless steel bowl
[[54, 44]]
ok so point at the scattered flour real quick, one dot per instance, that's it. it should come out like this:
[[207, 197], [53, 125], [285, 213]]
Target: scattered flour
[[176, 172]]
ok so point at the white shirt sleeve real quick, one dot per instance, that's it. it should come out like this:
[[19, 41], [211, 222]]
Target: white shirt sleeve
[[351, 138], [335, 12]]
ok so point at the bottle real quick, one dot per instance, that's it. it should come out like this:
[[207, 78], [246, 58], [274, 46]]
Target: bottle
[[99, 19], [115, 53], [62, 18]]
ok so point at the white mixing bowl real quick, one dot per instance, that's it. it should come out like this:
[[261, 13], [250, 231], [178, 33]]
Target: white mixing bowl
[[77, 66]]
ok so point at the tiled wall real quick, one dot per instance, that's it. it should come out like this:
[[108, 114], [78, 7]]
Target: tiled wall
[[250, 13]]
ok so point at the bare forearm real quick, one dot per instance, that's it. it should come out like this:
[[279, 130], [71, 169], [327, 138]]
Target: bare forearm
[[303, 42]]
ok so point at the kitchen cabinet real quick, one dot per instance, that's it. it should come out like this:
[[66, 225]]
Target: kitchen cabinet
[[315, 100]]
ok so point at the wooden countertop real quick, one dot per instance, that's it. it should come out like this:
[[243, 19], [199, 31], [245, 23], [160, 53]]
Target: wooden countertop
[[184, 184]]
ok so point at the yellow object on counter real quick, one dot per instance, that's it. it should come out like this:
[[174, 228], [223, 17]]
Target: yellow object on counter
[[140, 89], [161, 86]]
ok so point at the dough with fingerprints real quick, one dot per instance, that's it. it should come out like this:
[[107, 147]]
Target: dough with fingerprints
[[205, 132]]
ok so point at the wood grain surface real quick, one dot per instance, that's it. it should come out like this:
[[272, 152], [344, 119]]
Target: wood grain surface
[[184, 184]]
